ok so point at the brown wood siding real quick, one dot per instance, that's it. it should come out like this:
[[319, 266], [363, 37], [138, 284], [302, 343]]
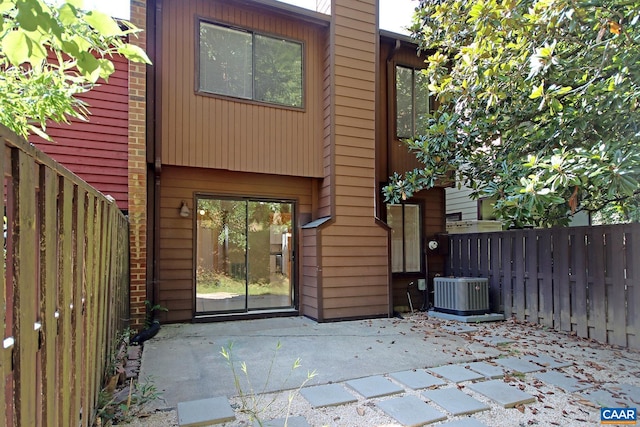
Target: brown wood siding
[[97, 150], [309, 291], [324, 205], [213, 132], [175, 282], [354, 247]]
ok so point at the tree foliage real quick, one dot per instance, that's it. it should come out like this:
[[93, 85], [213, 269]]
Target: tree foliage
[[50, 53], [538, 105]]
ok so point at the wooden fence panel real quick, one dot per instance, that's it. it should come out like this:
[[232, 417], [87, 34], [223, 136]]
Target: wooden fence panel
[[48, 288], [616, 292], [597, 287], [24, 289], [584, 279], [495, 286], [632, 240], [507, 275], [545, 279], [65, 290], [5, 350], [580, 284]]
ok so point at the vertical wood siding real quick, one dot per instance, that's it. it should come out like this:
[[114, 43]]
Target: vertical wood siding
[[97, 150], [355, 272], [309, 297], [176, 261], [212, 132]]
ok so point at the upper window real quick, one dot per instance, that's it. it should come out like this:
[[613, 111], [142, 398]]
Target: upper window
[[247, 65], [412, 102]]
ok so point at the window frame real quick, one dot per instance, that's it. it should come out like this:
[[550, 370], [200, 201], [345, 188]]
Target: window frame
[[413, 70], [197, 84], [420, 236]]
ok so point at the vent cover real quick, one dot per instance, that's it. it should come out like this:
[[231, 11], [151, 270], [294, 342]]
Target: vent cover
[[461, 295]]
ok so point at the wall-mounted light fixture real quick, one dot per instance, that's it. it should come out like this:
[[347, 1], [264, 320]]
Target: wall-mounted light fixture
[[184, 210]]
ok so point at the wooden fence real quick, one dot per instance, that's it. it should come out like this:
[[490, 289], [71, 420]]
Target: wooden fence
[[65, 290], [580, 279]]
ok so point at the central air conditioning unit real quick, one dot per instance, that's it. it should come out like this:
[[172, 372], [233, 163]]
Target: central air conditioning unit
[[462, 296]]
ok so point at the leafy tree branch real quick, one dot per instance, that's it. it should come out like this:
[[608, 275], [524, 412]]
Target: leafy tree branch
[[538, 105], [50, 53]]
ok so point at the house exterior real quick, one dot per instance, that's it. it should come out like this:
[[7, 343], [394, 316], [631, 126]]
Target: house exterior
[[97, 149], [270, 130]]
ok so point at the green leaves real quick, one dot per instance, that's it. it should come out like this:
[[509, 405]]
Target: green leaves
[[547, 96], [49, 54]]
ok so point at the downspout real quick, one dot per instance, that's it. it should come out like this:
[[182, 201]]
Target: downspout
[[155, 128]]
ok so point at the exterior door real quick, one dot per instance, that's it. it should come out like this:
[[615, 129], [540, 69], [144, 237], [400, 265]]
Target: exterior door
[[244, 255]]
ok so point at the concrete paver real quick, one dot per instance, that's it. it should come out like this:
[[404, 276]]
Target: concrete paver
[[484, 368], [563, 381], [502, 393], [606, 399], [411, 411], [375, 386], [327, 395], [495, 340], [205, 412], [416, 379], [519, 365], [460, 328], [464, 422], [547, 361], [455, 401], [456, 373], [630, 391]]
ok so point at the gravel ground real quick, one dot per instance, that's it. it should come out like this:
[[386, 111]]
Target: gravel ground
[[598, 364]]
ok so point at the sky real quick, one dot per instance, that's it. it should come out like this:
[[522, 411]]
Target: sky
[[395, 15]]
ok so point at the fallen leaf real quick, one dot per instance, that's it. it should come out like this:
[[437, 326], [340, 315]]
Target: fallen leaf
[[520, 408], [360, 411]]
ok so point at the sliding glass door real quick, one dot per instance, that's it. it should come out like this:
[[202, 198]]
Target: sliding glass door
[[243, 255]]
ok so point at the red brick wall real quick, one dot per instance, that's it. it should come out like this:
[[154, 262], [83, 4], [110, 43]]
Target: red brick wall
[[138, 172]]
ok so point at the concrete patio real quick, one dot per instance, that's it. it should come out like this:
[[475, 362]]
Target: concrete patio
[[460, 369]]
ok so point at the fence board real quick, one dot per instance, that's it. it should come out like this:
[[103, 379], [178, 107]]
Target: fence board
[[474, 267], [597, 288], [65, 296], [92, 373], [616, 293], [78, 296], [545, 280], [633, 285], [519, 279], [24, 288], [507, 275], [531, 276], [579, 276], [495, 290], [48, 288], [5, 353]]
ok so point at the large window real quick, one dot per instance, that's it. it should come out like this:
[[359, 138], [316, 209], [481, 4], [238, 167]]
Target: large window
[[247, 65], [412, 102], [404, 221]]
